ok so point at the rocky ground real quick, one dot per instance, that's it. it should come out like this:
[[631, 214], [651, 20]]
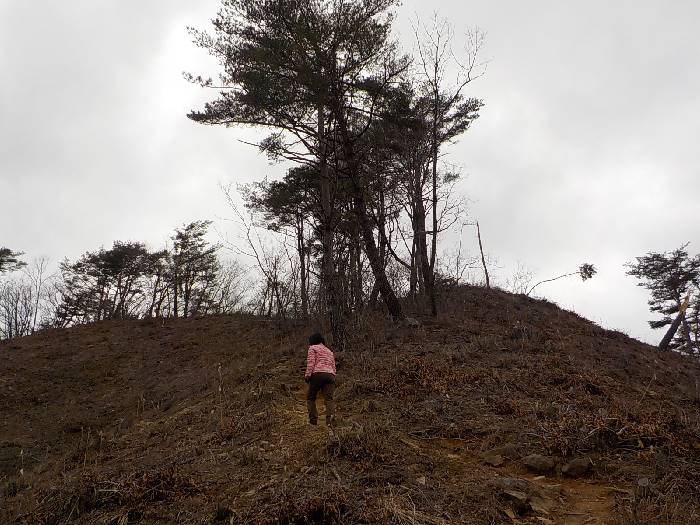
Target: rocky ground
[[504, 409]]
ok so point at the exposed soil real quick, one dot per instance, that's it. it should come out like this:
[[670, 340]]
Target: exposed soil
[[204, 421]]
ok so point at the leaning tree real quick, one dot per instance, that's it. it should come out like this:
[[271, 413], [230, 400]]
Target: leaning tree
[[673, 278]]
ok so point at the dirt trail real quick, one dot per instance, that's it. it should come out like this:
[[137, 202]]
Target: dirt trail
[[581, 503], [564, 501], [572, 501], [590, 503]]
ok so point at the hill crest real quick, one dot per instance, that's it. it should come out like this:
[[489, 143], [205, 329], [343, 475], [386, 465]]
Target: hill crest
[[203, 420]]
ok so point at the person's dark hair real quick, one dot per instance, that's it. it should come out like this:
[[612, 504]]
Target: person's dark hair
[[316, 339]]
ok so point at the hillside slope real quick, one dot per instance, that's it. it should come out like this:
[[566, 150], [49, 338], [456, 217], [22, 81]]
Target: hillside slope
[[203, 421]]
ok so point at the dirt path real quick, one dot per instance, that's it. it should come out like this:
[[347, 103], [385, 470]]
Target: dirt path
[[559, 501], [565, 501], [581, 503]]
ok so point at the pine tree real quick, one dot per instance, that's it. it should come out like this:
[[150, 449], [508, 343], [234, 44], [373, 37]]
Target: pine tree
[[10, 260], [670, 277], [194, 269], [312, 72]]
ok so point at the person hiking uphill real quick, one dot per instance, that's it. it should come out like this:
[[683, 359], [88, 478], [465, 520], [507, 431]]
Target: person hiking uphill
[[320, 375]]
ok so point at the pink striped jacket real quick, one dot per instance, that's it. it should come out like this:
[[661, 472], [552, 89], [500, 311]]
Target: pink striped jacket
[[319, 359]]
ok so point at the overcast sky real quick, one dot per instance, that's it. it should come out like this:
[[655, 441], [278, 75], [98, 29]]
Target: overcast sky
[[586, 151]]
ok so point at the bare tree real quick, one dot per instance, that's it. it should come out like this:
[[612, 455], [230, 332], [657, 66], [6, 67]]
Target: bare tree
[[279, 271], [232, 287], [521, 280], [450, 113], [37, 273], [16, 308]]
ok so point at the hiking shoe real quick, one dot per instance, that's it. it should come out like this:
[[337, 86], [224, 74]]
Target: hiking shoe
[[313, 422]]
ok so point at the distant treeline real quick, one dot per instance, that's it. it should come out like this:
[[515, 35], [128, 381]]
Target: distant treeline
[[123, 282]]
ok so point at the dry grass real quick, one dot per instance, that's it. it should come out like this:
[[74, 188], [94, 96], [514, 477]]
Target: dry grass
[[221, 427], [400, 510], [367, 443], [660, 509], [134, 492]]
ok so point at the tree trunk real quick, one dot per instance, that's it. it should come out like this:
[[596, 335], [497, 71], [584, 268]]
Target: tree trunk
[[413, 281], [686, 333], [483, 260], [301, 250], [356, 269], [433, 254], [151, 307], [378, 269], [176, 277], [418, 225], [382, 238], [186, 296], [663, 345], [374, 296], [328, 277], [422, 248], [360, 206]]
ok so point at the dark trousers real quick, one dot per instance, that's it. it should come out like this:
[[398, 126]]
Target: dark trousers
[[324, 382]]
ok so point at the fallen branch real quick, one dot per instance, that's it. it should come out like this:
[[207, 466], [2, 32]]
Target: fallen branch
[[586, 271]]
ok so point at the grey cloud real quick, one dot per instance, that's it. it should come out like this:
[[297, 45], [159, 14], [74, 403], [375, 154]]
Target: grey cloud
[[586, 150]]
